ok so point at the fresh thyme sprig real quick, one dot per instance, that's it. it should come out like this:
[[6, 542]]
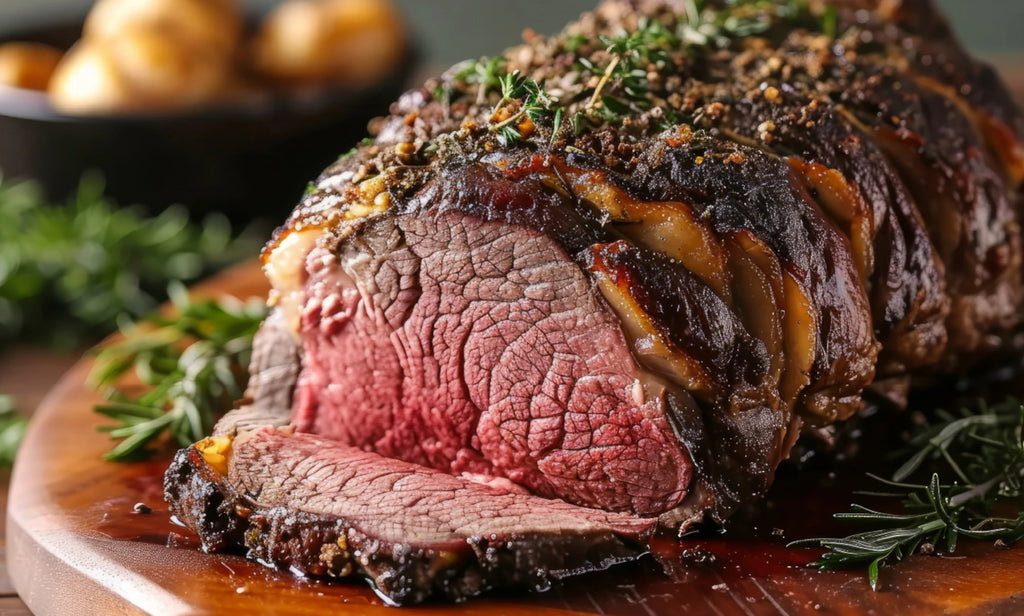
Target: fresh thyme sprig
[[485, 72], [194, 361], [535, 105], [365, 141], [984, 451], [706, 27], [623, 76], [624, 88]]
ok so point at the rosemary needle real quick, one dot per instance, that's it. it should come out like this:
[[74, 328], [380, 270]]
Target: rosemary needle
[[68, 272], [983, 451], [194, 362]]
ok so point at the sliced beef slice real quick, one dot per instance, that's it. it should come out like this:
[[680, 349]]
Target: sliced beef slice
[[303, 502]]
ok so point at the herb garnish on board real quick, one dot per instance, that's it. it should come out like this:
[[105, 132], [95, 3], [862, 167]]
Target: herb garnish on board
[[12, 430], [194, 361], [982, 453], [68, 273]]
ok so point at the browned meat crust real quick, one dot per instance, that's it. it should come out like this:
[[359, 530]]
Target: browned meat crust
[[625, 267]]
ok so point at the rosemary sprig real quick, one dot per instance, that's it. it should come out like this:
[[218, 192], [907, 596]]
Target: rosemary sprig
[[67, 272], [12, 430], [194, 361], [984, 451]]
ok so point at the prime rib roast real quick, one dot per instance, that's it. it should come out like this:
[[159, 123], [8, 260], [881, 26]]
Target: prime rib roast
[[599, 286]]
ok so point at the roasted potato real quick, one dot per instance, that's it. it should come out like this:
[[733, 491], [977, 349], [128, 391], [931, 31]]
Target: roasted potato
[[150, 55], [145, 68], [28, 65], [88, 81], [344, 42], [156, 55], [197, 23]]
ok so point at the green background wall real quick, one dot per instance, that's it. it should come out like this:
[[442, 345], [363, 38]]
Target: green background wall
[[451, 30]]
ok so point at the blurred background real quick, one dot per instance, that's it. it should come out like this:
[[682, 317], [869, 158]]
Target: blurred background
[[206, 139], [452, 30], [159, 98]]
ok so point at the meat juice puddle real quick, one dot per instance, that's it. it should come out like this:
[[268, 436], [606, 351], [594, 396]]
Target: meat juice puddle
[[715, 571], [140, 513], [753, 547], [800, 504], [751, 563]]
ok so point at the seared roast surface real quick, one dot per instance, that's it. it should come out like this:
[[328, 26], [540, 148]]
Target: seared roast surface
[[607, 279]]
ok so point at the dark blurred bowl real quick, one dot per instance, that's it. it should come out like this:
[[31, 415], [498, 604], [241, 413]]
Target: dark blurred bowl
[[248, 159]]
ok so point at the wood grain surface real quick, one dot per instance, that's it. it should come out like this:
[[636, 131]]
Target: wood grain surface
[[74, 546]]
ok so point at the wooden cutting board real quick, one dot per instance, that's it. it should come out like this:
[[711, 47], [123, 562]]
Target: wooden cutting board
[[75, 546]]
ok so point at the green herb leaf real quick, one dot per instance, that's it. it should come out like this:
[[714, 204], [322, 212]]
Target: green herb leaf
[[983, 449], [873, 572], [12, 430], [195, 362], [533, 102], [67, 272], [830, 21]]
